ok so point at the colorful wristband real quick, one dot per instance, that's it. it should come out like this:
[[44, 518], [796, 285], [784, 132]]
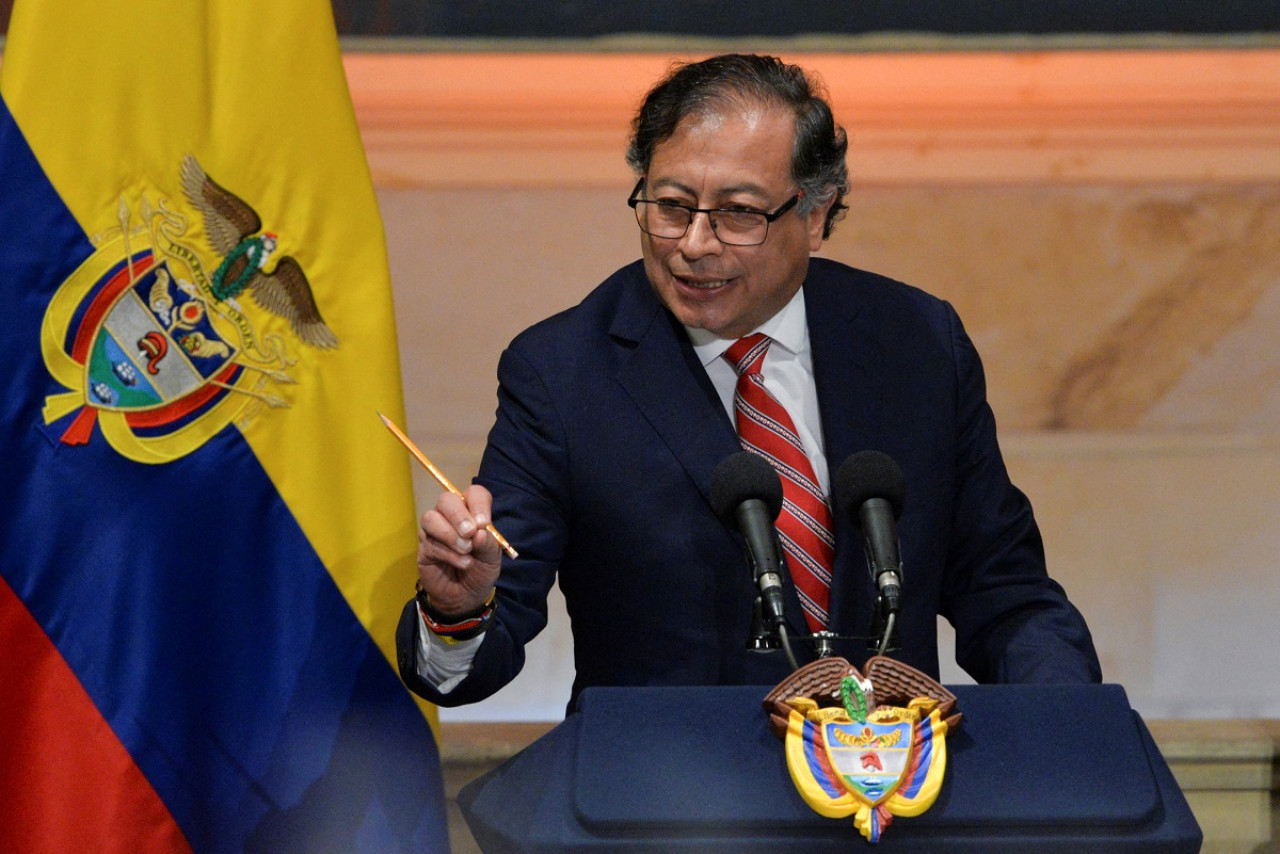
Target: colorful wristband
[[456, 627]]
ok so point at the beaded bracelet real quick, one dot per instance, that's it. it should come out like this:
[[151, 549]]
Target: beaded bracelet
[[456, 627]]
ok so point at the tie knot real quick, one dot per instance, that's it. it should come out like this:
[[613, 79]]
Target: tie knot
[[746, 355]]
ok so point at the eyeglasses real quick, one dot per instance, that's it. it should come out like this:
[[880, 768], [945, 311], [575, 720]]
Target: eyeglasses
[[733, 227]]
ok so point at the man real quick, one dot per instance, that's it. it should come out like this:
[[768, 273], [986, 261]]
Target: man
[[613, 415]]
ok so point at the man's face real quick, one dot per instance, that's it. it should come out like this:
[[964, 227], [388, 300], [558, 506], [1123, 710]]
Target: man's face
[[740, 158]]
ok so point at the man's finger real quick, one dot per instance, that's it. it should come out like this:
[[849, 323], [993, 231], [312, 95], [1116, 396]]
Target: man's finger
[[444, 531]]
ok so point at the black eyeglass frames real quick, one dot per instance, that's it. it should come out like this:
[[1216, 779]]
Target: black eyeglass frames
[[733, 226]]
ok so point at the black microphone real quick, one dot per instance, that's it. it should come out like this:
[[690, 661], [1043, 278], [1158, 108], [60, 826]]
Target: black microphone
[[870, 486], [747, 496]]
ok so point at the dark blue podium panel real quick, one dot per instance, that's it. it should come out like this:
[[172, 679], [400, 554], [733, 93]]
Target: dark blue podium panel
[[1031, 769]]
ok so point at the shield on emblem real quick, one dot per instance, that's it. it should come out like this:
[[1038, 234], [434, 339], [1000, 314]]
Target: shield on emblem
[[870, 758], [156, 343]]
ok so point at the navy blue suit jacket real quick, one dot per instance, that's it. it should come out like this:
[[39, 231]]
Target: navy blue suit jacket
[[600, 464]]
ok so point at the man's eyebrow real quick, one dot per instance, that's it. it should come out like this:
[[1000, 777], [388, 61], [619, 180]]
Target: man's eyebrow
[[747, 188]]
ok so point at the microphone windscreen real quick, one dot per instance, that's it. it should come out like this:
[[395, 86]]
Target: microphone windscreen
[[739, 478], [866, 475]]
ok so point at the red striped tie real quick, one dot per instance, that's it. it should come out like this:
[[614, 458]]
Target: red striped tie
[[804, 525]]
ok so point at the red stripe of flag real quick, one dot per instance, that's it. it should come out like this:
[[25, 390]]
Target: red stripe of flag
[[66, 781]]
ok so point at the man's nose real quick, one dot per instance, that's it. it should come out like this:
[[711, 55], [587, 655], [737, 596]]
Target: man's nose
[[700, 238]]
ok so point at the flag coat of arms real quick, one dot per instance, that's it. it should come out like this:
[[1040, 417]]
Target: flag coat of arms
[[207, 535]]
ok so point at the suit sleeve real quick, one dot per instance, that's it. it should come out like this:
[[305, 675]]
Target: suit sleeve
[[1013, 622], [524, 467]]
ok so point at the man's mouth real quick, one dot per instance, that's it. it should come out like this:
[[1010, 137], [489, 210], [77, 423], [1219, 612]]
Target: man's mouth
[[702, 284]]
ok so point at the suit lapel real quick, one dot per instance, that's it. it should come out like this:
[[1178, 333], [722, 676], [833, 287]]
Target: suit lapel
[[842, 345], [660, 373], [841, 374]]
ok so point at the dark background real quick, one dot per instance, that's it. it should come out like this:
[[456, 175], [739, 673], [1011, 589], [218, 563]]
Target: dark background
[[583, 19]]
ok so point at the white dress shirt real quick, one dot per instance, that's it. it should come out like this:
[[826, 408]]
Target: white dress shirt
[[788, 375]]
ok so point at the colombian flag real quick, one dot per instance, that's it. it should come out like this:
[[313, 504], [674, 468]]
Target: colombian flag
[[206, 532]]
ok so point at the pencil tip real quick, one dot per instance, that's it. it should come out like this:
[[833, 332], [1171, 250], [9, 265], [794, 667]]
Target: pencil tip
[[383, 417]]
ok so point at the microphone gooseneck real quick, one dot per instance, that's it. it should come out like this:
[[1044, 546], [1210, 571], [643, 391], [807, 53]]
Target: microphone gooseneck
[[870, 487]]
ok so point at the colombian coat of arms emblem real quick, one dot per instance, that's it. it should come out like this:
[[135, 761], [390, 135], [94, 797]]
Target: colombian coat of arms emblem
[[150, 338], [870, 746]]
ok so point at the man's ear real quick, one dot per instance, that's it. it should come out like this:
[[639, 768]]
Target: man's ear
[[816, 223]]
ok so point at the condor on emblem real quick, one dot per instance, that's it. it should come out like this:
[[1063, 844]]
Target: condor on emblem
[[150, 340]]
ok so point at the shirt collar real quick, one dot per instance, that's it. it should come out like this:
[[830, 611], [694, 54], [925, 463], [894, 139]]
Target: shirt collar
[[787, 328]]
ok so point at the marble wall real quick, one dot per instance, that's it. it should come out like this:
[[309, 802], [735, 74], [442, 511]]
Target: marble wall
[[1104, 308], [1128, 332]]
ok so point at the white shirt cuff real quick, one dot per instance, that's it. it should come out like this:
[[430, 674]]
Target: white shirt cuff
[[442, 664]]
